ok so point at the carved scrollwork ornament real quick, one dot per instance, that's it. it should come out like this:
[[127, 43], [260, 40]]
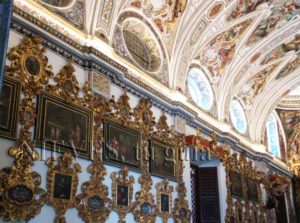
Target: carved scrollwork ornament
[[123, 111], [66, 85], [164, 192], [29, 64], [94, 206], [122, 183], [21, 198], [143, 117], [163, 130], [144, 207], [181, 212], [62, 181]]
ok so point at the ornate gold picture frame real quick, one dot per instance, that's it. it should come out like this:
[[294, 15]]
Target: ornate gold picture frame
[[62, 181], [122, 193], [64, 127], [164, 200], [9, 107]]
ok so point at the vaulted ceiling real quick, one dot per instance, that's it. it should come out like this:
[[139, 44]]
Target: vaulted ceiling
[[248, 49]]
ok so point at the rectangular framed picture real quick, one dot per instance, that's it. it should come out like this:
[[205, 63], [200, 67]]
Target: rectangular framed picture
[[62, 186], [64, 127], [164, 202], [237, 185], [100, 84], [122, 146], [122, 195], [164, 159], [252, 190], [9, 107]]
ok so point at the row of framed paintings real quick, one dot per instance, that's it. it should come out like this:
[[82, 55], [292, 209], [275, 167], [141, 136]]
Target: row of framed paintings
[[67, 127], [244, 187]]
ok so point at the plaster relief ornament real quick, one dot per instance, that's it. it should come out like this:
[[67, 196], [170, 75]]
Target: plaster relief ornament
[[164, 13], [62, 182], [71, 10], [220, 51], [256, 85]]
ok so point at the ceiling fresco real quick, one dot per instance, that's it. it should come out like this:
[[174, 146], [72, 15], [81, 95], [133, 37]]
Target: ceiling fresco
[[247, 49]]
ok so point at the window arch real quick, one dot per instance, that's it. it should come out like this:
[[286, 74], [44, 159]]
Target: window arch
[[238, 117], [272, 135], [200, 89]]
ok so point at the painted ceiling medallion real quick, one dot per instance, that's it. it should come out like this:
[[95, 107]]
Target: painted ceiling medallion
[[142, 45]]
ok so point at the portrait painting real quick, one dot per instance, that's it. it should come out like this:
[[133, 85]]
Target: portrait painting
[[32, 65], [62, 187], [237, 185], [122, 195], [164, 203], [252, 190], [66, 126], [163, 159], [122, 145], [9, 106]]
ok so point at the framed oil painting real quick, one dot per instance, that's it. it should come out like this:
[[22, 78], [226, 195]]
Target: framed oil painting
[[164, 159], [122, 195], [9, 107], [62, 187], [164, 202], [237, 185], [122, 146], [252, 190], [64, 127]]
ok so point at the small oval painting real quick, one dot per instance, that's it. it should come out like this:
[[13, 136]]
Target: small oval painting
[[182, 213], [32, 65], [146, 209], [95, 202], [20, 194]]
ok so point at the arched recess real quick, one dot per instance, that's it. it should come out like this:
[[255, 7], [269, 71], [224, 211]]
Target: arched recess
[[238, 117], [200, 89], [268, 101]]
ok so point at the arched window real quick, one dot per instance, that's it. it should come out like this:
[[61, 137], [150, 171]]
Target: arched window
[[238, 117], [272, 135], [200, 89]]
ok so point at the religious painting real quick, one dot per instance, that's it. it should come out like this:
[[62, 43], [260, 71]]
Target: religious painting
[[32, 65], [122, 146], [252, 190], [290, 120], [100, 84], [146, 208], [95, 203], [163, 159], [164, 203], [64, 127], [237, 185], [62, 186], [9, 106], [122, 195]]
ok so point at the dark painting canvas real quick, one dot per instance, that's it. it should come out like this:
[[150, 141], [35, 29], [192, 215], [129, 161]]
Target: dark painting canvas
[[62, 186], [66, 126], [9, 103], [121, 145], [163, 159]]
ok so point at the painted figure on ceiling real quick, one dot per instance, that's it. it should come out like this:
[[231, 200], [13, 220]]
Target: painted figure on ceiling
[[220, 51]]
